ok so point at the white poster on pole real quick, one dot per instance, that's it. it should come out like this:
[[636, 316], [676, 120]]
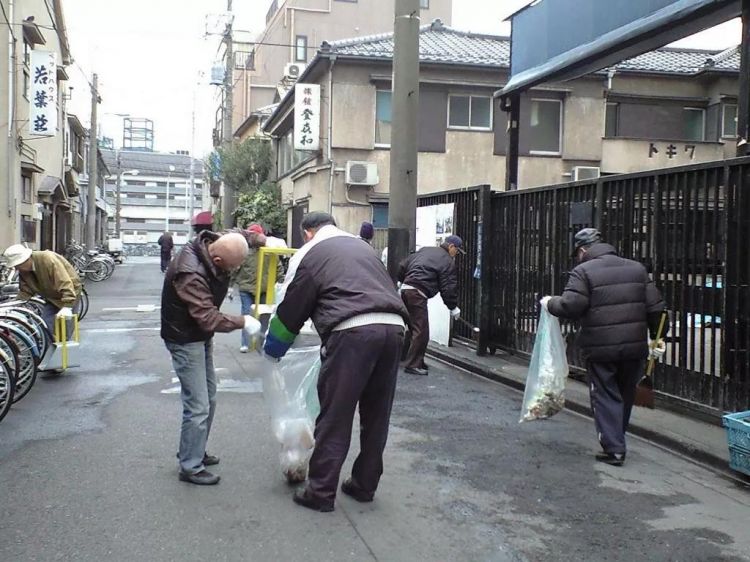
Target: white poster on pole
[[43, 94], [307, 117]]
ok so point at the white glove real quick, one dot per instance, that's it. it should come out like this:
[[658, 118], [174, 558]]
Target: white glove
[[252, 326], [657, 349], [65, 312], [456, 313], [230, 294], [544, 302]]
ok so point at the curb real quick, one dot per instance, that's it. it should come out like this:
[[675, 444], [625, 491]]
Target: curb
[[675, 445]]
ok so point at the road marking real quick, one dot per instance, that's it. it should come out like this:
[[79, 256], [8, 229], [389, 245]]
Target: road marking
[[227, 385], [139, 308]]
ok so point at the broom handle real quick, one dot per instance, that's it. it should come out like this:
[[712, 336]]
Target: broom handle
[[652, 361]]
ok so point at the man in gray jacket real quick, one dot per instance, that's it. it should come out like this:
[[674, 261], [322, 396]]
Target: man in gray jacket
[[618, 306], [336, 280]]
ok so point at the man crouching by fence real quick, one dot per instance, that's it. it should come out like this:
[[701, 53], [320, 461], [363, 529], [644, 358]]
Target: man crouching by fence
[[339, 281], [195, 285]]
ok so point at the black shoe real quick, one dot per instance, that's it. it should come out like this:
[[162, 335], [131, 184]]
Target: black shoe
[[203, 478], [615, 459], [416, 371], [210, 460], [304, 498], [351, 489]]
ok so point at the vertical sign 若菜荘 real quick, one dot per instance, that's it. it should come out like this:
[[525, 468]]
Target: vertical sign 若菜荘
[[43, 94], [307, 117]]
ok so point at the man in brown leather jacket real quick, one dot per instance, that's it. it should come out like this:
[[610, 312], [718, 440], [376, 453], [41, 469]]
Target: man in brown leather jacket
[[195, 285]]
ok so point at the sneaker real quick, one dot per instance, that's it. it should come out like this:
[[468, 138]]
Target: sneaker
[[416, 371], [202, 478], [614, 459], [243, 349], [210, 460]]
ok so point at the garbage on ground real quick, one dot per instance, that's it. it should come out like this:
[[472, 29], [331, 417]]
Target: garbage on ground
[[290, 390], [545, 384]]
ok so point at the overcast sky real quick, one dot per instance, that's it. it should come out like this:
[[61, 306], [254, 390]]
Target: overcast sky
[[149, 53]]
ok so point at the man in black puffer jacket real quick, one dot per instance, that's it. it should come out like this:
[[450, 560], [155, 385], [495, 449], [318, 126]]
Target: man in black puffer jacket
[[618, 307], [422, 275]]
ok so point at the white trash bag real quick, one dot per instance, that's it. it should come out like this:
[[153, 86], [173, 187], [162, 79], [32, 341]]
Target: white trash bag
[[290, 390], [545, 384]]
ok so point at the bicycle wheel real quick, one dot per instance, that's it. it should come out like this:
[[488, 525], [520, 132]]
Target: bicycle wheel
[[82, 306], [32, 323], [28, 358], [96, 271], [7, 381]]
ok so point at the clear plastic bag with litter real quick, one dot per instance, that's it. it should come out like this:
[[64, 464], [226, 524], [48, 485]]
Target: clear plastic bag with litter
[[545, 384], [290, 390]]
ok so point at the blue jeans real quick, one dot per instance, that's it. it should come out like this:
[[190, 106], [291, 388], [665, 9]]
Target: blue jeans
[[246, 302], [194, 365]]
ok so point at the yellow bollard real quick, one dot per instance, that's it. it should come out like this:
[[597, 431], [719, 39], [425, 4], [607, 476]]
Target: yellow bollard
[[272, 255]]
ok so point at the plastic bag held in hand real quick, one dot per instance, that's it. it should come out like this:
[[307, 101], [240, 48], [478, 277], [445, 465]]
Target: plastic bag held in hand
[[545, 383], [290, 390]]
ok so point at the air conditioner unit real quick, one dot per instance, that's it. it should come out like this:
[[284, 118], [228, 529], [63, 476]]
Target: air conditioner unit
[[293, 70], [362, 173], [586, 173]]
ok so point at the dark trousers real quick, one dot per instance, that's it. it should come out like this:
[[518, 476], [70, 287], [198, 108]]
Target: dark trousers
[[359, 365], [419, 329], [166, 257], [612, 392]]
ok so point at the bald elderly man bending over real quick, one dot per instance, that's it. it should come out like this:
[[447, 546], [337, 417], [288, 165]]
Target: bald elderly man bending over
[[195, 285]]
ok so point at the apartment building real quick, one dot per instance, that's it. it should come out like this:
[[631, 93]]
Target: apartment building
[[665, 108], [154, 194], [264, 70], [37, 189]]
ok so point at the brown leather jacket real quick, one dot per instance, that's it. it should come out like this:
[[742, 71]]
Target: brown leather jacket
[[192, 295]]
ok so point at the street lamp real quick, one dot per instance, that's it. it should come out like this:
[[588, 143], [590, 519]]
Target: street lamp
[[118, 196], [166, 220]]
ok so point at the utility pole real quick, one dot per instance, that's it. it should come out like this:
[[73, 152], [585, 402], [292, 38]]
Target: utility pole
[[93, 174], [228, 201], [402, 209], [118, 192]]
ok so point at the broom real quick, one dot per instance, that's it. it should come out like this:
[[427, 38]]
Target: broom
[[644, 391]]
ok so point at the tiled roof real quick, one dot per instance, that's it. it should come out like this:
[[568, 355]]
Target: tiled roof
[[438, 43], [442, 44], [153, 163]]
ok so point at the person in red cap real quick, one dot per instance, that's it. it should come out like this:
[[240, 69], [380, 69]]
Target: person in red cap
[[203, 221]]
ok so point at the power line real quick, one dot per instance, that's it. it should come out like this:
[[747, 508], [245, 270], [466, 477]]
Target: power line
[[7, 21]]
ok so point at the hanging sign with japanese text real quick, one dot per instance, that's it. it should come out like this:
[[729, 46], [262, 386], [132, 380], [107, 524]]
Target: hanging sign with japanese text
[[307, 117], [43, 94]]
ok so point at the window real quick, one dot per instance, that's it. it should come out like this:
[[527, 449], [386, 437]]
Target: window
[[383, 108], [694, 122], [545, 126], [470, 112], [424, 4], [26, 191], [729, 120], [28, 229], [611, 124], [289, 159], [150, 196], [380, 215], [300, 48]]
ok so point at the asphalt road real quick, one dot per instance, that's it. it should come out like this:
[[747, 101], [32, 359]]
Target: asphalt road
[[87, 470]]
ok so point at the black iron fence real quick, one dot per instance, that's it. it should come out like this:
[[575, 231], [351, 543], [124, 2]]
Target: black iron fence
[[689, 226]]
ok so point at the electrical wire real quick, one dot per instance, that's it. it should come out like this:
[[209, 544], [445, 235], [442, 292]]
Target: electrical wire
[[7, 21]]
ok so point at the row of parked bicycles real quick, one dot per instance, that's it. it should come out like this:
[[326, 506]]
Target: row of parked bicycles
[[94, 265], [24, 335]]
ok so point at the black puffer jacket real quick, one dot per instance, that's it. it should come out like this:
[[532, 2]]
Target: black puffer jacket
[[616, 303], [432, 270]]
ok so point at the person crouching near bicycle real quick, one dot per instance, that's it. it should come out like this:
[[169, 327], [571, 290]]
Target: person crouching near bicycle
[[48, 275]]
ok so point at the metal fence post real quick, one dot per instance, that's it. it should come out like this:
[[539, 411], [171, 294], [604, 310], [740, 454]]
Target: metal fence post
[[485, 258]]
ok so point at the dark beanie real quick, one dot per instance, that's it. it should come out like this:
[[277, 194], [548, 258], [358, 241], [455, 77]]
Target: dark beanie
[[366, 231]]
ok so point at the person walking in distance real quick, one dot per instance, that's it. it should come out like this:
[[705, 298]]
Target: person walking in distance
[[619, 309], [422, 275], [195, 285], [166, 242], [360, 319]]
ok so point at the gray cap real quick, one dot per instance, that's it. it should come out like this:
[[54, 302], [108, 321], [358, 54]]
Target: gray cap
[[586, 237]]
